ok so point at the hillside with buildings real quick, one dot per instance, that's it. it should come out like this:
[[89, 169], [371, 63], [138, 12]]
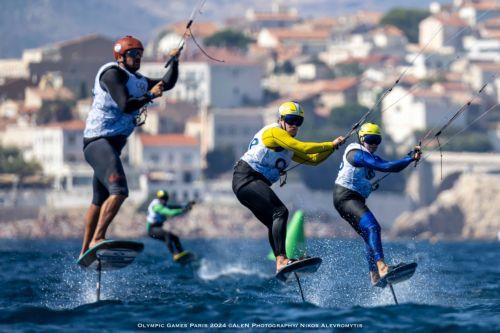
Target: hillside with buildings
[[36, 23], [337, 66]]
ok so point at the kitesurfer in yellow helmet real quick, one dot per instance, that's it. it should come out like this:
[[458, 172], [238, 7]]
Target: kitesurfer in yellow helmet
[[353, 186], [269, 154]]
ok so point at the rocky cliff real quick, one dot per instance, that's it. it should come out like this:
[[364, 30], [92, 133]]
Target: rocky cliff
[[470, 209], [204, 221]]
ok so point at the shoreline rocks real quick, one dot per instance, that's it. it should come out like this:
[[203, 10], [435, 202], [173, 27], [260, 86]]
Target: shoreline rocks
[[468, 210]]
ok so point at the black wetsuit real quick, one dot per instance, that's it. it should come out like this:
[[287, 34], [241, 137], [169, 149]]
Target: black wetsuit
[[103, 153], [254, 191]]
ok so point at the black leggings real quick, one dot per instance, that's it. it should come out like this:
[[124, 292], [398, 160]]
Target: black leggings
[[103, 155], [258, 196], [172, 241]]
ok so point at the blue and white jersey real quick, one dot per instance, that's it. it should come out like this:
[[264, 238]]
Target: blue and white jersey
[[105, 118], [264, 160], [355, 178]]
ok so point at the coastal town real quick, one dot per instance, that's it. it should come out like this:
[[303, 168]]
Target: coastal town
[[415, 78]]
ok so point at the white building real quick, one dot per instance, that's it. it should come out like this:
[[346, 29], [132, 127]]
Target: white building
[[482, 49], [406, 111], [234, 83], [58, 147], [9, 109], [497, 89], [13, 68], [369, 91], [21, 136], [479, 11], [342, 49], [279, 17], [312, 71], [431, 63], [193, 127], [494, 136], [229, 128], [480, 73], [170, 161], [389, 39], [441, 30], [309, 42]]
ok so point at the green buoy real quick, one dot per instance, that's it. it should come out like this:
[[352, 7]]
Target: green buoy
[[295, 238]]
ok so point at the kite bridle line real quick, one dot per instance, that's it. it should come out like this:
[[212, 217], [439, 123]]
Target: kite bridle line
[[398, 80], [387, 91], [367, 114], [482, 115], [189, 33], [460, 111]]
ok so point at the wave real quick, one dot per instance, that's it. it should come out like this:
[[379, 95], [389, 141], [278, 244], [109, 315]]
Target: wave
[[212, 271]]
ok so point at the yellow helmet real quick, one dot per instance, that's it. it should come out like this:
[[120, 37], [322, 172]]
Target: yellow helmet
[[291, 108], [369, 129]]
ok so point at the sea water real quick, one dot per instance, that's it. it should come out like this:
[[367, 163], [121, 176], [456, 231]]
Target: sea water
[[456, 288]]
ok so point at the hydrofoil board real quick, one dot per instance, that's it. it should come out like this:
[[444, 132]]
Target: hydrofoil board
[[303, 266], [398, 273], [111, 255], [184, 257]]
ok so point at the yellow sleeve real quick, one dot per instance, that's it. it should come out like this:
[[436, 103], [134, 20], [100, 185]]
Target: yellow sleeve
[[311, 159], [275, 137]]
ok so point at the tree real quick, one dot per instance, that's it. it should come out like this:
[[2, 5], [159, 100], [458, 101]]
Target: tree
[[347, 115], [269, 96], [407, 20], [476, 140], [352, 69], [12, 161], [219, 160], [285, 68], [83, 91], [472, 141], [228, 38], [54, 111]]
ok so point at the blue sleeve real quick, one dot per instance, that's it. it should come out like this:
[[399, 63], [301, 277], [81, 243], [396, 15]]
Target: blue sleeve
[[358, 158]]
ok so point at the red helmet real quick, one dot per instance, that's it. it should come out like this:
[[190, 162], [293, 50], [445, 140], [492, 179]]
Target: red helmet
[[126, 43]]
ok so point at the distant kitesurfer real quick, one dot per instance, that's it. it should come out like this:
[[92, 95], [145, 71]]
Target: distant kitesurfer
[[120, 95], [353, 186], [269, 154], [158, 213]]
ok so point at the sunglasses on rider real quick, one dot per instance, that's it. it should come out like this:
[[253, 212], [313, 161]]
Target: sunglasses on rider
[[293, 120], [372, 139], [134, 53]]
